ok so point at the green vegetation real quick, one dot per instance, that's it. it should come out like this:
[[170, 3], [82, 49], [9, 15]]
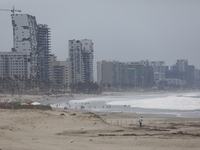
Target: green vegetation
[[19, 86]]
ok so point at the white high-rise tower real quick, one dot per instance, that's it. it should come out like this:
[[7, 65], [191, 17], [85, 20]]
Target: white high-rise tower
[[25, 38], [81, 59]]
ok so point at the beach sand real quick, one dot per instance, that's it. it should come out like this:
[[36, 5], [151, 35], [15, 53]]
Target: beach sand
[[78, 130]]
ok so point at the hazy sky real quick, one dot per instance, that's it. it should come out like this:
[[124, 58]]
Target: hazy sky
[[124, 30]]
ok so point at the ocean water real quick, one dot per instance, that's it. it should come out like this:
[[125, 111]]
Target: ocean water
[[162, 104]]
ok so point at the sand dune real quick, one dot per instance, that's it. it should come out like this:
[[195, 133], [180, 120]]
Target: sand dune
[[77, 130]]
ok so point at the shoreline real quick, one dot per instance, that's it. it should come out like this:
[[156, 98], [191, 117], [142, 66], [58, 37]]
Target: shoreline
[[40, 97], [66, 98]]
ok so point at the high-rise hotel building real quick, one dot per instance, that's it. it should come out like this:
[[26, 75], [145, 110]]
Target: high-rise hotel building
[[43, 51], [81, 60], [30, 53], [25, 38], [14, 64], [87, 57]]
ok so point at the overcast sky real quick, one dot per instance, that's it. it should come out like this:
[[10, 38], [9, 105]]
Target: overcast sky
[[124, 30]]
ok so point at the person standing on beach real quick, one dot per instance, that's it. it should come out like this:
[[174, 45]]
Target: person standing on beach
[[140, 121]]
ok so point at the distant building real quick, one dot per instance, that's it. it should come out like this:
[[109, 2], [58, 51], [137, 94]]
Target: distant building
[[87, 57], [197, 78], [190, 78], [159, 70], [175, 82], [108, 73], [14, 64], [181, 65], [75, 57], [43, 50], [99, 72], [124, 74], [25, 38], [132, 74], [81, 59], [52, 58], [60, 74], [149, 74], [33, 38], [181, 70]]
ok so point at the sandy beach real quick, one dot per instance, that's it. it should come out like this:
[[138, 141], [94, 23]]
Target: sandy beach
[[79, 130]]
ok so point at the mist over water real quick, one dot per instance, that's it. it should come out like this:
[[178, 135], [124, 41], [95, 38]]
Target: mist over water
[[164, 104]]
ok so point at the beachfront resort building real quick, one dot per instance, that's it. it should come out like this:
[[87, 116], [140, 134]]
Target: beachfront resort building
[[31, 59], [60, 74], [30, 53], [25, 38], [43, 50], [124, 74], [108, 73], [81, 59], [132, 74], [87, 57], [14, 64], [181, 70], [159, 70]]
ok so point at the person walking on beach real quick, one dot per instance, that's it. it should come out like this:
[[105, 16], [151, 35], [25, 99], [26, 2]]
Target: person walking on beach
[[140, 121]]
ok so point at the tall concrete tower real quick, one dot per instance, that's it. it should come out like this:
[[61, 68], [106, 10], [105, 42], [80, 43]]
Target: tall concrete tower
[[75, 57], [81, 59], [87, 57], [43, 49], [25, 38]]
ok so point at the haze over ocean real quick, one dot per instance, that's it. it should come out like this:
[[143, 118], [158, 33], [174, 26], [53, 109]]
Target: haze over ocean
[[163, 104]]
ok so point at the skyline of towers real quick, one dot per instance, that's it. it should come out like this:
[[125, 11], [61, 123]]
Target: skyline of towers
[[146, 74], [34, 39], [30, 58], [31, 55]]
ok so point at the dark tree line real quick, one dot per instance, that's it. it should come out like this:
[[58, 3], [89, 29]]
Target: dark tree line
[[86, 88], [19, 85]]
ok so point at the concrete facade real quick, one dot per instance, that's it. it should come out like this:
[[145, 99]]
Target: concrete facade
[[81, 59], [43, 50], [15, 64], [25, 38], [159, 70], [124, 74], [110, 72], [75, 57], [60, 74], [87, 57]]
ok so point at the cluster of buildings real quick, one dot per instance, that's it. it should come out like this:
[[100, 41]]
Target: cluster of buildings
[[30, 57], [147, 74]]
